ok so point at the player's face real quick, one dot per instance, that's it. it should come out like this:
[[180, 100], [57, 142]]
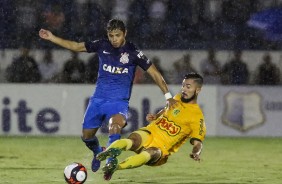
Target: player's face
[[116, 37], [189, 90]]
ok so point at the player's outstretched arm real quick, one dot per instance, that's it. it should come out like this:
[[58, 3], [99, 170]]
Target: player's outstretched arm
[[159, 80], [71, 45], [196, 151], [151, 117]]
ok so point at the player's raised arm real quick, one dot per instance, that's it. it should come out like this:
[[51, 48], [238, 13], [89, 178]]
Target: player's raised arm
[[159, 80], [71, 45]]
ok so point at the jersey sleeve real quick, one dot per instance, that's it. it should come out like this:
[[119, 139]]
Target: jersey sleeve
[[141, 60], [92, 46], [198, 130]]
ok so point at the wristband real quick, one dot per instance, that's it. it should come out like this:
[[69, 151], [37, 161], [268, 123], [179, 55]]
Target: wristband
[[168, 95]]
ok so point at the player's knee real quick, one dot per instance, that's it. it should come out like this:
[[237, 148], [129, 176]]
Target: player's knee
[[136, 141], [116, 123], [155, 153], [115, 128]]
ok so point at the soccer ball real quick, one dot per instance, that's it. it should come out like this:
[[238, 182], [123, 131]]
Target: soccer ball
[[75, 173]]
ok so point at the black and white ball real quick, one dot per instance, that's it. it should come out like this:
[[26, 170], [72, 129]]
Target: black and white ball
[[75, 173]]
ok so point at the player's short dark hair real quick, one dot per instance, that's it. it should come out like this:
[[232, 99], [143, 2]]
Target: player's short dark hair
[[116, 24], [195, 76]]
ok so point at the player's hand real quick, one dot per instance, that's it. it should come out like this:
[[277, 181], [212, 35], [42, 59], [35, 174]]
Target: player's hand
[[195, 157], [171, 103], [151, 117], [45, 34]]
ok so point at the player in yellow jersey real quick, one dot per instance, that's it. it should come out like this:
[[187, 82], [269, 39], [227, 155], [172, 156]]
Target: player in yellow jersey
[[167, 131]]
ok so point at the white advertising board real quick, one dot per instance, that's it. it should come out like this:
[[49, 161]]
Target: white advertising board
[[250, 111], [27, 109]]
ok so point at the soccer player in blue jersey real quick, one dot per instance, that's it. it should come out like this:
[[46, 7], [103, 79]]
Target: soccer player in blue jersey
[[118, 59]]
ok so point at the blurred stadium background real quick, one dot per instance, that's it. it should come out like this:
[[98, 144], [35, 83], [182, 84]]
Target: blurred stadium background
[[152, 24], [235, 44]]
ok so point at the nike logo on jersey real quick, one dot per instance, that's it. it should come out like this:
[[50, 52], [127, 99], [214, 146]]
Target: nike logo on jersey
[[105, 52], [114, 69]]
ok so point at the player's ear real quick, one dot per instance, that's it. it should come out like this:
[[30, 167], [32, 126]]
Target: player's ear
[[198, 90], [125, 33]]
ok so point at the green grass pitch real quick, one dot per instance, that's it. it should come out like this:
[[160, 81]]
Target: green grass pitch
[[26, 160]]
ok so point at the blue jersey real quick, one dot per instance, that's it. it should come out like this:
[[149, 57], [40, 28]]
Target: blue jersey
[[116, 68]]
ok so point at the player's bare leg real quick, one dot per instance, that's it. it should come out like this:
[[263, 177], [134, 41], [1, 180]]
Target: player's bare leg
[[116, 123]]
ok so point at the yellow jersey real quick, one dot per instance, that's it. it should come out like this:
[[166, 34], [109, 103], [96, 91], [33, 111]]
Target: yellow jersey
[[175, 126]]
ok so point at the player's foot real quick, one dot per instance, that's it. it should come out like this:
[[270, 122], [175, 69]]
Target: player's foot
[[95, 162], [111, 152], [110, 168]]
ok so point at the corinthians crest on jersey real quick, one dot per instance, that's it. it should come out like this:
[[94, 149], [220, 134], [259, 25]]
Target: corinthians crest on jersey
[[124, 58]]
